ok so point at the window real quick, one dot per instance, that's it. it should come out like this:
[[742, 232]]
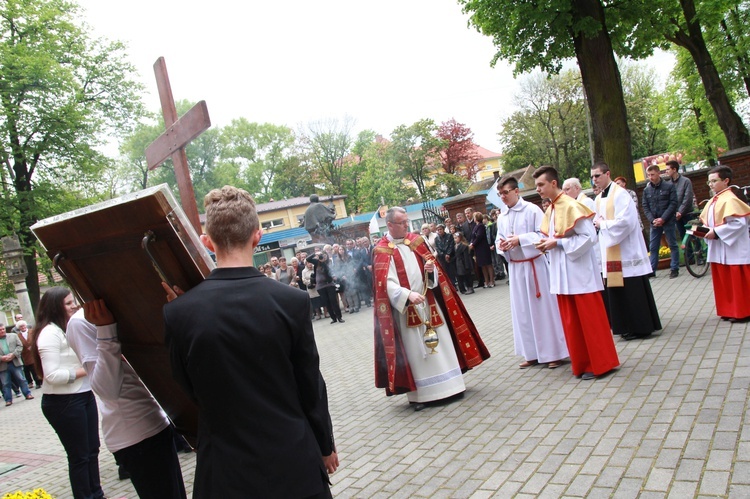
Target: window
[[279, 222]]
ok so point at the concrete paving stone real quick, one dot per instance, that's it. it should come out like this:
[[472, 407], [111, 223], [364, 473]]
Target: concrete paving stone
[[632, 438], [627, 488], [730, 423], [647, 494], [621, 456], [714, 483], [482, 494], [668, 458], [659, 479], [579, 455], [681, 490], [741, 473], [524, 471], [539, 453], [739, 490], [725, 440], [733, 409], [719, 460], [609, 476], [594, 465], [496, 480], [431, 487], [702, 431], [657, 431], [580, 486], [639, 467], [565, 473], [683, 423], [649, 447]]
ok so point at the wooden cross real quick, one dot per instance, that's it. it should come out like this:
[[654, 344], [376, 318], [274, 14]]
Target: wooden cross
[[173, 141]]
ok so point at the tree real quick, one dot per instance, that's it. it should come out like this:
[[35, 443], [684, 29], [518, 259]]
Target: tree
[[550, 125], [459, 149], [327, 143], [60, 91], [542, 34], [355, 166], [259, 151], [416, 151], [381, 182], [645, 112], [686, 32]]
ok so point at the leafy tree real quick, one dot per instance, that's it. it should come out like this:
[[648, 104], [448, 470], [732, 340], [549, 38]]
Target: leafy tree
[[381, 182], [541, 34], [459, 149], [685, 30], [60, 91], [355, 166], [645, 113], [327, 143], [416, 151], [259, 151], [550, 126]]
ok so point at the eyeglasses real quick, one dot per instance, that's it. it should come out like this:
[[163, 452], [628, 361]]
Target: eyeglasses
[[714, 180], [505, 193], [596, 176], [405, 223]]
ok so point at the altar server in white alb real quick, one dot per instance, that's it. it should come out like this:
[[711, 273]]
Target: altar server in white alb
[[728, 247], [625, 263], [537, 329], [570, 239]]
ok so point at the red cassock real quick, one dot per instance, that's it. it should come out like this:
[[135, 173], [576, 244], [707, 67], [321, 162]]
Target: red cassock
[[730, 290], [392, 370], [587, 333]]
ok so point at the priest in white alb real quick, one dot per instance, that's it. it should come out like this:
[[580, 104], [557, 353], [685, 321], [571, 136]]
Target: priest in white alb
[[537, 328], [413, 296], [728, 247], [625, 263]]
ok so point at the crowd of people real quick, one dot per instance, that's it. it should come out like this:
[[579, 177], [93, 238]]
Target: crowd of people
[[337, 277], [579, 274]]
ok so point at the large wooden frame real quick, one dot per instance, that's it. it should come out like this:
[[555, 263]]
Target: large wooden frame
[[120, 250]]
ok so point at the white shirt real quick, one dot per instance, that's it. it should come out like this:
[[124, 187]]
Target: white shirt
[[59, 363], [573, 264], [129, 412]]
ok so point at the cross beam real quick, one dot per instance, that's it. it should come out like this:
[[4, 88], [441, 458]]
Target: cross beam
[[173, 141]]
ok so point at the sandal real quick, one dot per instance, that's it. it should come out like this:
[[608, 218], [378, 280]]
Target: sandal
[[528, 363], [10, 402], [29, 397], [554, 365]]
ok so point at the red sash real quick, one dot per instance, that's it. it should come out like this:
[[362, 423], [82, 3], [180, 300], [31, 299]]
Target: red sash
[[392, 370]]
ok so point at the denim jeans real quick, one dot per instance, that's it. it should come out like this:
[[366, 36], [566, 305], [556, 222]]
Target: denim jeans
[[655, 241], [11, 374], [76, 421]]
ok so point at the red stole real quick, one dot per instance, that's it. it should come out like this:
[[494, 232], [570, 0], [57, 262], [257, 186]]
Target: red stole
[[392, 370]]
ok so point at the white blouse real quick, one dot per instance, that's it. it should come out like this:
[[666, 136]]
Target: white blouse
[[59, 362]]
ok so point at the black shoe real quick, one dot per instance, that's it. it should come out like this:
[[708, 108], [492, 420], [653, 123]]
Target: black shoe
[[334, 321], [342, 320], [651, 275], [588, 376], [418, 406], [122, 473], [631, 336], [674, 273], [470, 291], [739, 321]]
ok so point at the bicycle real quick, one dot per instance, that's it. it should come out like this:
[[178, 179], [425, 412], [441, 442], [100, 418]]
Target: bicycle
[[695, 249]]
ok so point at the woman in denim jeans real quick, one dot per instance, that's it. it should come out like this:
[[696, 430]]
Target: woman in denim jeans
[[67, 400]]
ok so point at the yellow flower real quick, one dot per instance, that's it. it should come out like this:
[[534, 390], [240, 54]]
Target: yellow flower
[[664, 252], [35, 494]]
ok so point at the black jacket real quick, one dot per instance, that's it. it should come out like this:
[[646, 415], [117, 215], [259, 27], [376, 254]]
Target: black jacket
[[660, 201], [242, 346]]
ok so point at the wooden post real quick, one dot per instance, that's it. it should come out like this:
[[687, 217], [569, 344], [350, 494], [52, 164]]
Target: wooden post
[[173, 141]]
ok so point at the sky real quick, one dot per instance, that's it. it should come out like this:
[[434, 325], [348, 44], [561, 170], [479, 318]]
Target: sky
[[292, 62]]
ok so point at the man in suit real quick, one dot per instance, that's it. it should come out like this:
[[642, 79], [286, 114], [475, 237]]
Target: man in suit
[[265, 430], [11, 366]]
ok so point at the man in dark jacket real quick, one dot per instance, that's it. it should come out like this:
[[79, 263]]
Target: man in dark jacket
[[446, 252], [660, 205], [265, 430], [684, 189]]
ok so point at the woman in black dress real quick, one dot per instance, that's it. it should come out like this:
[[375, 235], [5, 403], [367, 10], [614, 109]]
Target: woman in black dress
[[482, 250]]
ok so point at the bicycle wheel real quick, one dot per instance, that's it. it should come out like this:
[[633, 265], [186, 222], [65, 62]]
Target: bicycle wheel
[[697, 264]]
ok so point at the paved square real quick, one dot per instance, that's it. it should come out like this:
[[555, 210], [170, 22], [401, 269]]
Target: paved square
[[669, 423]]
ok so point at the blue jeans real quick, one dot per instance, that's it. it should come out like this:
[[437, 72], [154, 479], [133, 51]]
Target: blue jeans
[[11, 374], [655, 241], [76, 421]]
